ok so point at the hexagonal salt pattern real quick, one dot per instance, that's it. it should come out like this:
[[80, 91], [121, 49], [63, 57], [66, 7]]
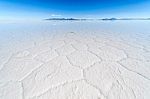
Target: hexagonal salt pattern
[[77, 67]]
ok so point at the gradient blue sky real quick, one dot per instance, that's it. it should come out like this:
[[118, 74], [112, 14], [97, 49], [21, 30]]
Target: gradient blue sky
[[39, 9]]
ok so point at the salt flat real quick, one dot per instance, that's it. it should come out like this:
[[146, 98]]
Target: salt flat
[[75, 60]]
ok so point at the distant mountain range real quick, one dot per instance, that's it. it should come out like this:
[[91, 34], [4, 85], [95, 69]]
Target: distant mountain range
[[65, 19], [125, 19], [104, 19]]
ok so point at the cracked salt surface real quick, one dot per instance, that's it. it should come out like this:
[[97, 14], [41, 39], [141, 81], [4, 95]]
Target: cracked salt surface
[[75, 65]]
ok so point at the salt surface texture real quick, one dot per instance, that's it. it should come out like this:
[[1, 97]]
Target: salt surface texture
[[75, 60]]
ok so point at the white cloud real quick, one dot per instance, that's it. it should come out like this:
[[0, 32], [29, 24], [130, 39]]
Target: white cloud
[[56, 15]]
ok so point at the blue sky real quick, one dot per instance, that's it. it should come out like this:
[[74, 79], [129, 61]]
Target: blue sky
[[39, 9]]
